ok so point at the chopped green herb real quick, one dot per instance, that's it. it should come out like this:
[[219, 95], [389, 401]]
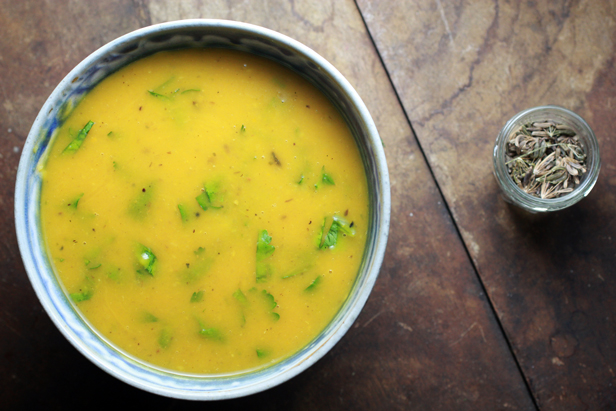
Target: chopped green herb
[[239, 296], [165, 337], [111, 134], [326, 178], [210, 333], [93, 267], [158, 95], [271, 304], [73, 204], [263, 272], [78, 141], [149, 318], [209, 196], [314, 284], [146, 259], [301, 179], [264, 250], [196, 297], [330, 238], [113, 273], [270, 300], [203, 200], [141, 204], [183, 212], [262, 353], [82, 296], [243, 128], [297, 272], [190, 90], [345, 226], [196, 269]]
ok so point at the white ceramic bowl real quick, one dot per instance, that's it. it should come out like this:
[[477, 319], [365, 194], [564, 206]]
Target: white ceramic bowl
[[111, 57]]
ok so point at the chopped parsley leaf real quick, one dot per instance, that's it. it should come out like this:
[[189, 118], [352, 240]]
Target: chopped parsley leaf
[[196, 297], [78, 141], [329, 239], [146, 259], [210, 332], [314, 284], [82, 296], [183, 212], [264, 250], [326, 178], [239, 296], [165, 337]]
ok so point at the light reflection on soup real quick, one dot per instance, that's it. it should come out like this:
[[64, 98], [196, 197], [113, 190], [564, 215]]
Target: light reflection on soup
[[206, 210]]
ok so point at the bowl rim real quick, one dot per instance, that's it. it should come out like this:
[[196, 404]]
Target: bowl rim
[[23, 225]]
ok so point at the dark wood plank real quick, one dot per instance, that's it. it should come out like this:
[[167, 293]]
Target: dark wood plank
[[427, 338], [462, 69]]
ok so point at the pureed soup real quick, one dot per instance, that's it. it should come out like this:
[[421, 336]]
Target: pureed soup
[[205, 210]]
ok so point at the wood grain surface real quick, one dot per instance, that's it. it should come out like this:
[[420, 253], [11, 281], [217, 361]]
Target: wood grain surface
[[462, 69], [440, 79]]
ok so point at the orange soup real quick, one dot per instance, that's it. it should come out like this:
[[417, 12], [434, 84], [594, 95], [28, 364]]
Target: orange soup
[[205, 210]]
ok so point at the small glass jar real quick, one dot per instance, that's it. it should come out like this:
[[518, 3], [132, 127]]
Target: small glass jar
[[558, 115]]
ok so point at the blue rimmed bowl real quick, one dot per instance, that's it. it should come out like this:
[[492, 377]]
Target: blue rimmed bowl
[[68, 94]]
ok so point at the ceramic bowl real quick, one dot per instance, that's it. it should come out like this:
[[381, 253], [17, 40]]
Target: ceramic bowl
[[108, 59]]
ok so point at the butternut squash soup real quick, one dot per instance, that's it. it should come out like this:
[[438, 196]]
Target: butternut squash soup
[[206, 210]]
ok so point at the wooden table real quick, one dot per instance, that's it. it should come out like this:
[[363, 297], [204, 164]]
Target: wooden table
[[479, 306]]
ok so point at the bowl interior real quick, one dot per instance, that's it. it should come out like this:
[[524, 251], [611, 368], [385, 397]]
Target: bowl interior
[[110, 58]]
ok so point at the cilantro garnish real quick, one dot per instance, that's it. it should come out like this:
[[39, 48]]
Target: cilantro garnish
[[271, 304], [85, 292], [261, 353], [165, 337], [270, 300], [313, 284], [153, 93], [326, 178], [183, 212], [209, 195], [146, 259], [239, 296], [149, 318], [196, 297], [329, 239], [139, 207], [210, 332], [78, 141], [74, 203], [264, 250], [82, 296]]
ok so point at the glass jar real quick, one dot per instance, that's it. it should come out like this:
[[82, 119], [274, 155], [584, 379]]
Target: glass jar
[[558, 115]]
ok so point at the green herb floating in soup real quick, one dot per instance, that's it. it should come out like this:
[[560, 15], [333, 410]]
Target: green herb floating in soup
[[187, 227]]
